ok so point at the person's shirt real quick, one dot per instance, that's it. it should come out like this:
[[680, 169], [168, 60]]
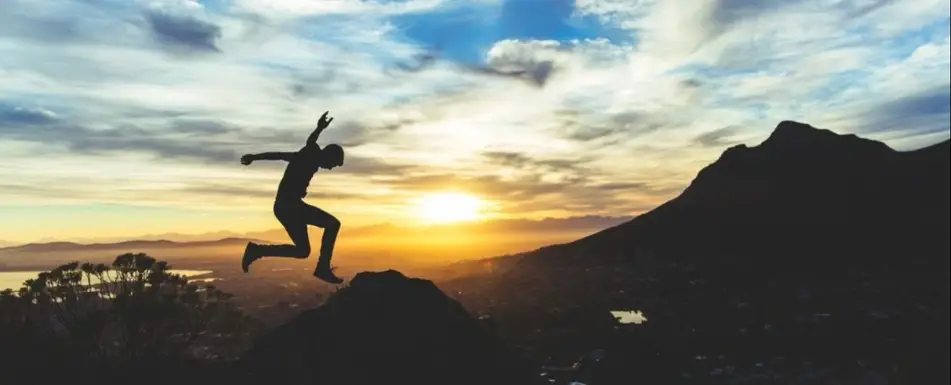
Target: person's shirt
[[299, 171]]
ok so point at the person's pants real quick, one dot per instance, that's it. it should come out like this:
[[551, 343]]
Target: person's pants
[[295, 216]]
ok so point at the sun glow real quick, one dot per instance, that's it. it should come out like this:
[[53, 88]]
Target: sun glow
[[448, 207]]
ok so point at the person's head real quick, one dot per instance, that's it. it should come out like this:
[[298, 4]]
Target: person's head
[[331, 156]]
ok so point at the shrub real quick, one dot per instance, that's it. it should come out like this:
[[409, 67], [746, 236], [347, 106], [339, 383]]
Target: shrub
[[131, 312]]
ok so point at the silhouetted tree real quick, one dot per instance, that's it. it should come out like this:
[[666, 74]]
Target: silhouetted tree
[[132, 313]]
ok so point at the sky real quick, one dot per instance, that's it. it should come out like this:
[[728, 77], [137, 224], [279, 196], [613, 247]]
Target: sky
[[129, 116]]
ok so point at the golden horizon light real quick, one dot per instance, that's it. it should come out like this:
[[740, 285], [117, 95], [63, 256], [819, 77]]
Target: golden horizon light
[[448, 207]]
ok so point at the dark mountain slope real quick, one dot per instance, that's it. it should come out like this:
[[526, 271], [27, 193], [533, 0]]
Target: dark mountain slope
[[810, 247], [801, 188]]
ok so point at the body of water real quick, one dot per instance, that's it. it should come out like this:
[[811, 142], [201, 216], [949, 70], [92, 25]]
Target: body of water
[[629, 316], [14, 279]]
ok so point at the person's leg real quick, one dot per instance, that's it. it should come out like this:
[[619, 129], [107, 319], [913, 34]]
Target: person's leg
[[331, 226], [294, 220]]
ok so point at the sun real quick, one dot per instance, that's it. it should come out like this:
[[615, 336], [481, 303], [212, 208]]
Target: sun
[[448, 207]]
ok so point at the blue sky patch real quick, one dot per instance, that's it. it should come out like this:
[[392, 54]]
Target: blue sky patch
[[465, 34]]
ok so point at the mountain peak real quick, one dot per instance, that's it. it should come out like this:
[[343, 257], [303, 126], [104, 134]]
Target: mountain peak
[[803, 136], [800, 183], [795, 157], [789, 131]]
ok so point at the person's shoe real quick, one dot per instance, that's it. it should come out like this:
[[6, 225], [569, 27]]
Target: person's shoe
[[249, 257], [326, 273]]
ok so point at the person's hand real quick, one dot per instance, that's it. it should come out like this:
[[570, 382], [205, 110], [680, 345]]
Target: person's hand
[[247, 159], [324, 121]]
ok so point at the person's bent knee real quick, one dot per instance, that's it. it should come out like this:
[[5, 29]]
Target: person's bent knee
[[302, 252], [332, 224]]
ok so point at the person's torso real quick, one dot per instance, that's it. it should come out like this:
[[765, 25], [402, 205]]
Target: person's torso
[[298, 173]]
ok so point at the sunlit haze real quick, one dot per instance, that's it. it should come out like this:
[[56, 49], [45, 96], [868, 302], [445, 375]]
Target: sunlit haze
[[448, 207]]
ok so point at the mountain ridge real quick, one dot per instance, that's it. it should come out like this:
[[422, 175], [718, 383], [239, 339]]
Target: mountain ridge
[[795, 153], [575, 223], [161, 243]]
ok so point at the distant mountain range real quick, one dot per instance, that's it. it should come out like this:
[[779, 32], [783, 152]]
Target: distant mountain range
[[576, 225], [125, 245]]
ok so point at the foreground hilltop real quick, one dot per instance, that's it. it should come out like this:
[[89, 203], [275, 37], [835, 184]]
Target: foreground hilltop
[[384, 328]]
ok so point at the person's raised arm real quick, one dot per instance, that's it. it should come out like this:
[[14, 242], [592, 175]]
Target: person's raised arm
[[285, 156], [321, 125]]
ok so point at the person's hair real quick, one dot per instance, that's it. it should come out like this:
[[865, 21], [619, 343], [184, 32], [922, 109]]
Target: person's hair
[[335, 152]]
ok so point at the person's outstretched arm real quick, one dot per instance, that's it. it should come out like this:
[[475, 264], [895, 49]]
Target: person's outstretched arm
[[285, 156], [321, 125]]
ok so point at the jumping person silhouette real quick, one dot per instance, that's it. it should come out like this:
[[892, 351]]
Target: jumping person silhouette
[[291, 210]]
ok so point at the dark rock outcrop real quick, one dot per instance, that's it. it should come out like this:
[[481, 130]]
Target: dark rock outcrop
[[383, 328]]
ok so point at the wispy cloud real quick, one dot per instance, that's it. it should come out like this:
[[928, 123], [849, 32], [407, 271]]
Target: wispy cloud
[[586, 106]]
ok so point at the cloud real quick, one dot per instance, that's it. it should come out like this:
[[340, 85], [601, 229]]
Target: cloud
[[596, 106], [522, 161], [532, 196], [219, 190], [184, 141], [926, 112], [10, 115], [222, 190], [717, 138], [86, 140], [935, 101], [519, 183], [182, 31], [200, 127], [535, 72], [626, 123], [291, 8]]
